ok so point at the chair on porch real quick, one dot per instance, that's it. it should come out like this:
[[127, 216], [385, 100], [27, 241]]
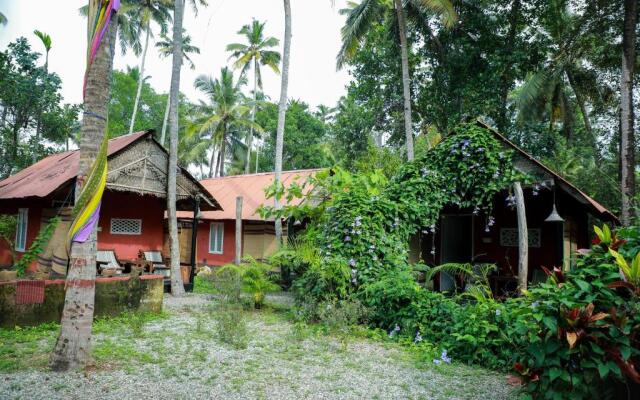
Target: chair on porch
[[154, 258], [107, 260]]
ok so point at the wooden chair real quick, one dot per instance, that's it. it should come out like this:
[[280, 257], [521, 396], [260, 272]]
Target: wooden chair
[[154, 258], [107, 260]]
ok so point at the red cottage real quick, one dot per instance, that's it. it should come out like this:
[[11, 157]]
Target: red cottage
[[216, 229], [133, 206]]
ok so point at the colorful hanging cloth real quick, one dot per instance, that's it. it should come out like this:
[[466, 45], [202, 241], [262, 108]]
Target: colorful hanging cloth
[[87, 209]]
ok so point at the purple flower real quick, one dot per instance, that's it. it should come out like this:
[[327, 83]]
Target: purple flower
[[347, 238]]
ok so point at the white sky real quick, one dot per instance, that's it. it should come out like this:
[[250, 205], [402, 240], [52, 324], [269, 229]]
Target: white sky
[[315, 43]]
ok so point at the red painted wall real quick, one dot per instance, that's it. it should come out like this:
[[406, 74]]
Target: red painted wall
[[33, 227], [203, 257], [125, 205]]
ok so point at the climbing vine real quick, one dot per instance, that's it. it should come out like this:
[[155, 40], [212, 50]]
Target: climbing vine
[[369, 229]]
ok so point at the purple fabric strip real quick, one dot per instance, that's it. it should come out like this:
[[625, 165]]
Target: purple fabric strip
[[83, 234]]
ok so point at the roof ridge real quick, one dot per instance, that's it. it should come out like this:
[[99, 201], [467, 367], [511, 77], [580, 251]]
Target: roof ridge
[[260, 174]]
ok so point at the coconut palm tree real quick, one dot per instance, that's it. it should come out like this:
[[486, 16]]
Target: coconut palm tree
[[282, 109], [361, 17], [147, 11], [177, 287], [548, 92], [73, 346], [222, 117], [627, 139], [128, 27], [254, 54], [165, 48]]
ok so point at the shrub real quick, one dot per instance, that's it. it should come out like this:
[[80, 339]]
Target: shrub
[[255, 281], [231, 326], [586, 340]]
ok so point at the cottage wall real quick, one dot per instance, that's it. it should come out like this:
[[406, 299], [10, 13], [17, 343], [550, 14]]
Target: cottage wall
[[204, 257], [33, 224], [149, 209]]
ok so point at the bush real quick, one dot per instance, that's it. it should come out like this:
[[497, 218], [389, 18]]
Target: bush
[[254, 280], [231, 326], [585, 341]]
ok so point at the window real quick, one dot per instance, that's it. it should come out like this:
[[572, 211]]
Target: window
[[21, 229], [509, 237], [124, 226], [216, 236]]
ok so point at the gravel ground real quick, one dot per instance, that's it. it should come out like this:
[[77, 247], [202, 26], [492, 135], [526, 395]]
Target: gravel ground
[[178, 357]]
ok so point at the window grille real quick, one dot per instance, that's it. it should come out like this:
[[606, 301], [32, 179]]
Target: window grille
[[126, 226], [216, 237], [509, 237]]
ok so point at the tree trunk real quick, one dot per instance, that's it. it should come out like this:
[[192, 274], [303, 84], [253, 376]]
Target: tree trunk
[[73, 347], [406, 82], [212, 161], [507, 78], [523, 239], [257, 156], [223, 148], [140, 78], [165, 120], [585, 115], [238, 230], [627, 139], [177, 286], [247, 162], [282, 109]]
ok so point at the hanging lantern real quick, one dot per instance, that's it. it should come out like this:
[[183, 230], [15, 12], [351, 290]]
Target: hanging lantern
[[554, 216]]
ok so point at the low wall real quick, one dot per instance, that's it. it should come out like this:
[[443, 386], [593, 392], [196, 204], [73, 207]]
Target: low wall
[[113, 296]]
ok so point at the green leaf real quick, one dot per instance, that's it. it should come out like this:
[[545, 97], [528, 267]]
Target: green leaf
[[583, 285], [603, 370], [554, 373]]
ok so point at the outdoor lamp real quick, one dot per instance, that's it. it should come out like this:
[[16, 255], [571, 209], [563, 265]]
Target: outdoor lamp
[[554, 216]]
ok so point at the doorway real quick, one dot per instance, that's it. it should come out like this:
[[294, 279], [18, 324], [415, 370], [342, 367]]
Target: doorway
[[456, 245]]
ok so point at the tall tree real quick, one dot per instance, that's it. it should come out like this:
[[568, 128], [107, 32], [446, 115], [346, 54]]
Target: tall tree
[[219, 119], [147, 11], [3, 19], [364, 16], [627, 135], [177, 286], [46, 42], [252, 55], [282, 109], [165, 47], [73, 346]]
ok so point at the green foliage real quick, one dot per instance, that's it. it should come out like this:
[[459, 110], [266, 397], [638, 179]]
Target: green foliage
[[34, 120], [37, 246], [585, 336], [255, 280], [8, 226]]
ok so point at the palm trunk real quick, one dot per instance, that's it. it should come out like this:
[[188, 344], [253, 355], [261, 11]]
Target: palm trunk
[[627, 140], [212, 161], [257, 156], [140, 78], [223, 147], [165, 120], [406, 82], [253, 117], [177, 286], [73, 347], [282, 109]]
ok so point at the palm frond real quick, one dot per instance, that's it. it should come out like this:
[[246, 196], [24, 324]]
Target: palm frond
[[360, 18]]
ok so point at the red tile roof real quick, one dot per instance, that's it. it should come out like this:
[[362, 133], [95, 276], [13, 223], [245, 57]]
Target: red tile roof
[[50, 173], [251, 188]]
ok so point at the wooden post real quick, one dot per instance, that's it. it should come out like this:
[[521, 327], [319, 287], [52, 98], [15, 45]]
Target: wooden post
[[238, 229], [194, 240], [523, 238]]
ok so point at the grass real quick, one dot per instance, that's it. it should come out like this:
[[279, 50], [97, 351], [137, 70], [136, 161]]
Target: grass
[[24, 348], [282, 358]]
